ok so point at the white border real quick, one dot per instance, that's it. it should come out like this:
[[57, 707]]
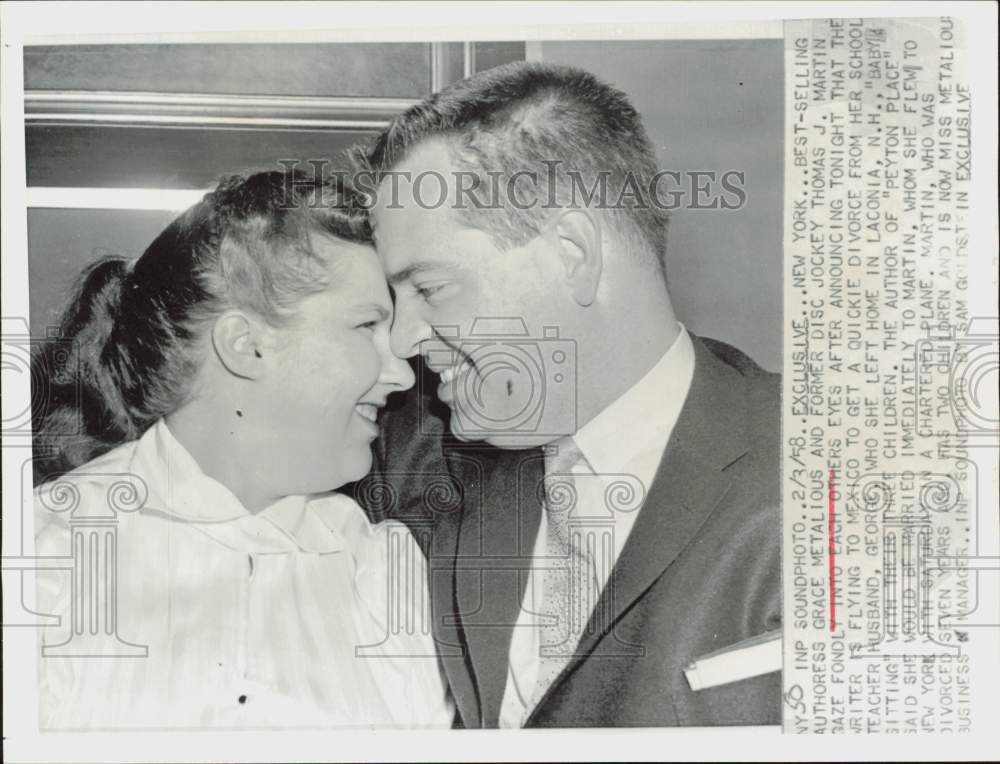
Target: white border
[[39, 23], [168, 200]]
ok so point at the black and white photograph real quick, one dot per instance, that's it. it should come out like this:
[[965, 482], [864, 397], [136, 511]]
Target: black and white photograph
[[367, 383]]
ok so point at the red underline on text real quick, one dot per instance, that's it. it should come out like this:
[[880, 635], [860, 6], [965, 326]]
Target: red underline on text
[[833, 551]]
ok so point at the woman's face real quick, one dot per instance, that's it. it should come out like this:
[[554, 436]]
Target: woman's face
[[332, 370]]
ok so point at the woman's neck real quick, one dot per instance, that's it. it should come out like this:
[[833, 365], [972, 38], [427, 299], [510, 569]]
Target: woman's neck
[[227, 449]]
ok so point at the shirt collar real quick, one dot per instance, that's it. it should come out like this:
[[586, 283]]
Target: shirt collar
[[642, 418], [178, 487]]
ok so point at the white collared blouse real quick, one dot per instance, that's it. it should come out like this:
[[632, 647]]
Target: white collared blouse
[[179, 608]]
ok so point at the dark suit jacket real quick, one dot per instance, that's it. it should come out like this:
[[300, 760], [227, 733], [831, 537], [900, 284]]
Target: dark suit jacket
[[700, 570]]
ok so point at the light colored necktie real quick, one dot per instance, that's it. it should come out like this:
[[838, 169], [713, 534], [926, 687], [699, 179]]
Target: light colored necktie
[[569, 584]]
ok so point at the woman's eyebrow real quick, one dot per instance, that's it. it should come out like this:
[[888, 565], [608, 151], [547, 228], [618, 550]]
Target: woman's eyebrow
[[382, 311]]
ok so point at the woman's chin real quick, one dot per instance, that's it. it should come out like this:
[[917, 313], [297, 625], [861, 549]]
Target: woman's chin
[[329, 473], [355, 466], [362, 472]]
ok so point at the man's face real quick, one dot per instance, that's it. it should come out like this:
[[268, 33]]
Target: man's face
[[446, 275]]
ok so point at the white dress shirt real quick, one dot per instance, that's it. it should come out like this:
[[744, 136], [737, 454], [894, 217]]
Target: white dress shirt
[[276, 619], [623, 444]]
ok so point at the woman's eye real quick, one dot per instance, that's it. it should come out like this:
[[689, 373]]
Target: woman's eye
[[368, 325]]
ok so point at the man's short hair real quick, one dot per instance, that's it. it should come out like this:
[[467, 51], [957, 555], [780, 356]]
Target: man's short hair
[[520, 126]]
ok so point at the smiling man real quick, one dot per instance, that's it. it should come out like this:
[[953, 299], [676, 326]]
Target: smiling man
[[615, 477]]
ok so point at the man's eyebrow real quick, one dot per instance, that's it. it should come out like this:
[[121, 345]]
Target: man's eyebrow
[[423, 265]]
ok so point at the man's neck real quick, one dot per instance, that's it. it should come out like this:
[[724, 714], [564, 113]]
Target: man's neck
[[632, 345]]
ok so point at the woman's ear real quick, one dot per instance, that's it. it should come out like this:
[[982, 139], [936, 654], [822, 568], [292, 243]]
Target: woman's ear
[[578, 234], [238, 340]]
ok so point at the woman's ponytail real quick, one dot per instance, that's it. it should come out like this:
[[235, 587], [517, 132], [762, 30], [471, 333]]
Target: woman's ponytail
[[77, 410]]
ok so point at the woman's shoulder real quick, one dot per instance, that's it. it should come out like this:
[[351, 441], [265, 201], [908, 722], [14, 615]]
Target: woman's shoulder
[[391, 579], [347, 519], [98, 489], [99, 470], [383, 553]]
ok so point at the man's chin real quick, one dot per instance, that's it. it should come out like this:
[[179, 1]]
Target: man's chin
[[454, 424], [459, 435], [505, 439]]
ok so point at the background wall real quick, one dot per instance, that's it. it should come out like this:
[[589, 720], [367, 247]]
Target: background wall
[[711, 105], [61, 242], [103, 123], [703, 110]]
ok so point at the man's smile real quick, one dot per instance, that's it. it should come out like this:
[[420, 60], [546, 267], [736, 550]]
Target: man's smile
[[450, 376]]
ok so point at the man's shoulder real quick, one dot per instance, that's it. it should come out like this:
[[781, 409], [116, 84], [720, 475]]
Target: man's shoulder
[[749, 414], [762, 387], [737, 360], [744, 532]]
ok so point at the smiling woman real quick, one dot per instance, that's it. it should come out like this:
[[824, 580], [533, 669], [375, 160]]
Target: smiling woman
[[229, 380], [244, 269]]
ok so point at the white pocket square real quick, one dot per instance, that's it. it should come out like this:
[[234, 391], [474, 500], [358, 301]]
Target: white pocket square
[[751, 657]]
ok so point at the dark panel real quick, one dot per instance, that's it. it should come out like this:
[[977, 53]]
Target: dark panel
[[390, 70], [148, 157], [490, 54], [62, 242]]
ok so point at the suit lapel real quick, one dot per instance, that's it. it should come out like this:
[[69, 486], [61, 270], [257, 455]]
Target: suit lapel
[[690, 482], [498, 527], [447, 635]]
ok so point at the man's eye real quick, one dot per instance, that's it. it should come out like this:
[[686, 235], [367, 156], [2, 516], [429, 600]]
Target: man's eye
[[367, 325], [429, 291]]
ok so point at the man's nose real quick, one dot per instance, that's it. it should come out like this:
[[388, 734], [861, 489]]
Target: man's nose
[[396, 373], [407, 332]]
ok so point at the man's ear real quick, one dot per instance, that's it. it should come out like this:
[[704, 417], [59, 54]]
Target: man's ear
[[578, 234], [238, 340]]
